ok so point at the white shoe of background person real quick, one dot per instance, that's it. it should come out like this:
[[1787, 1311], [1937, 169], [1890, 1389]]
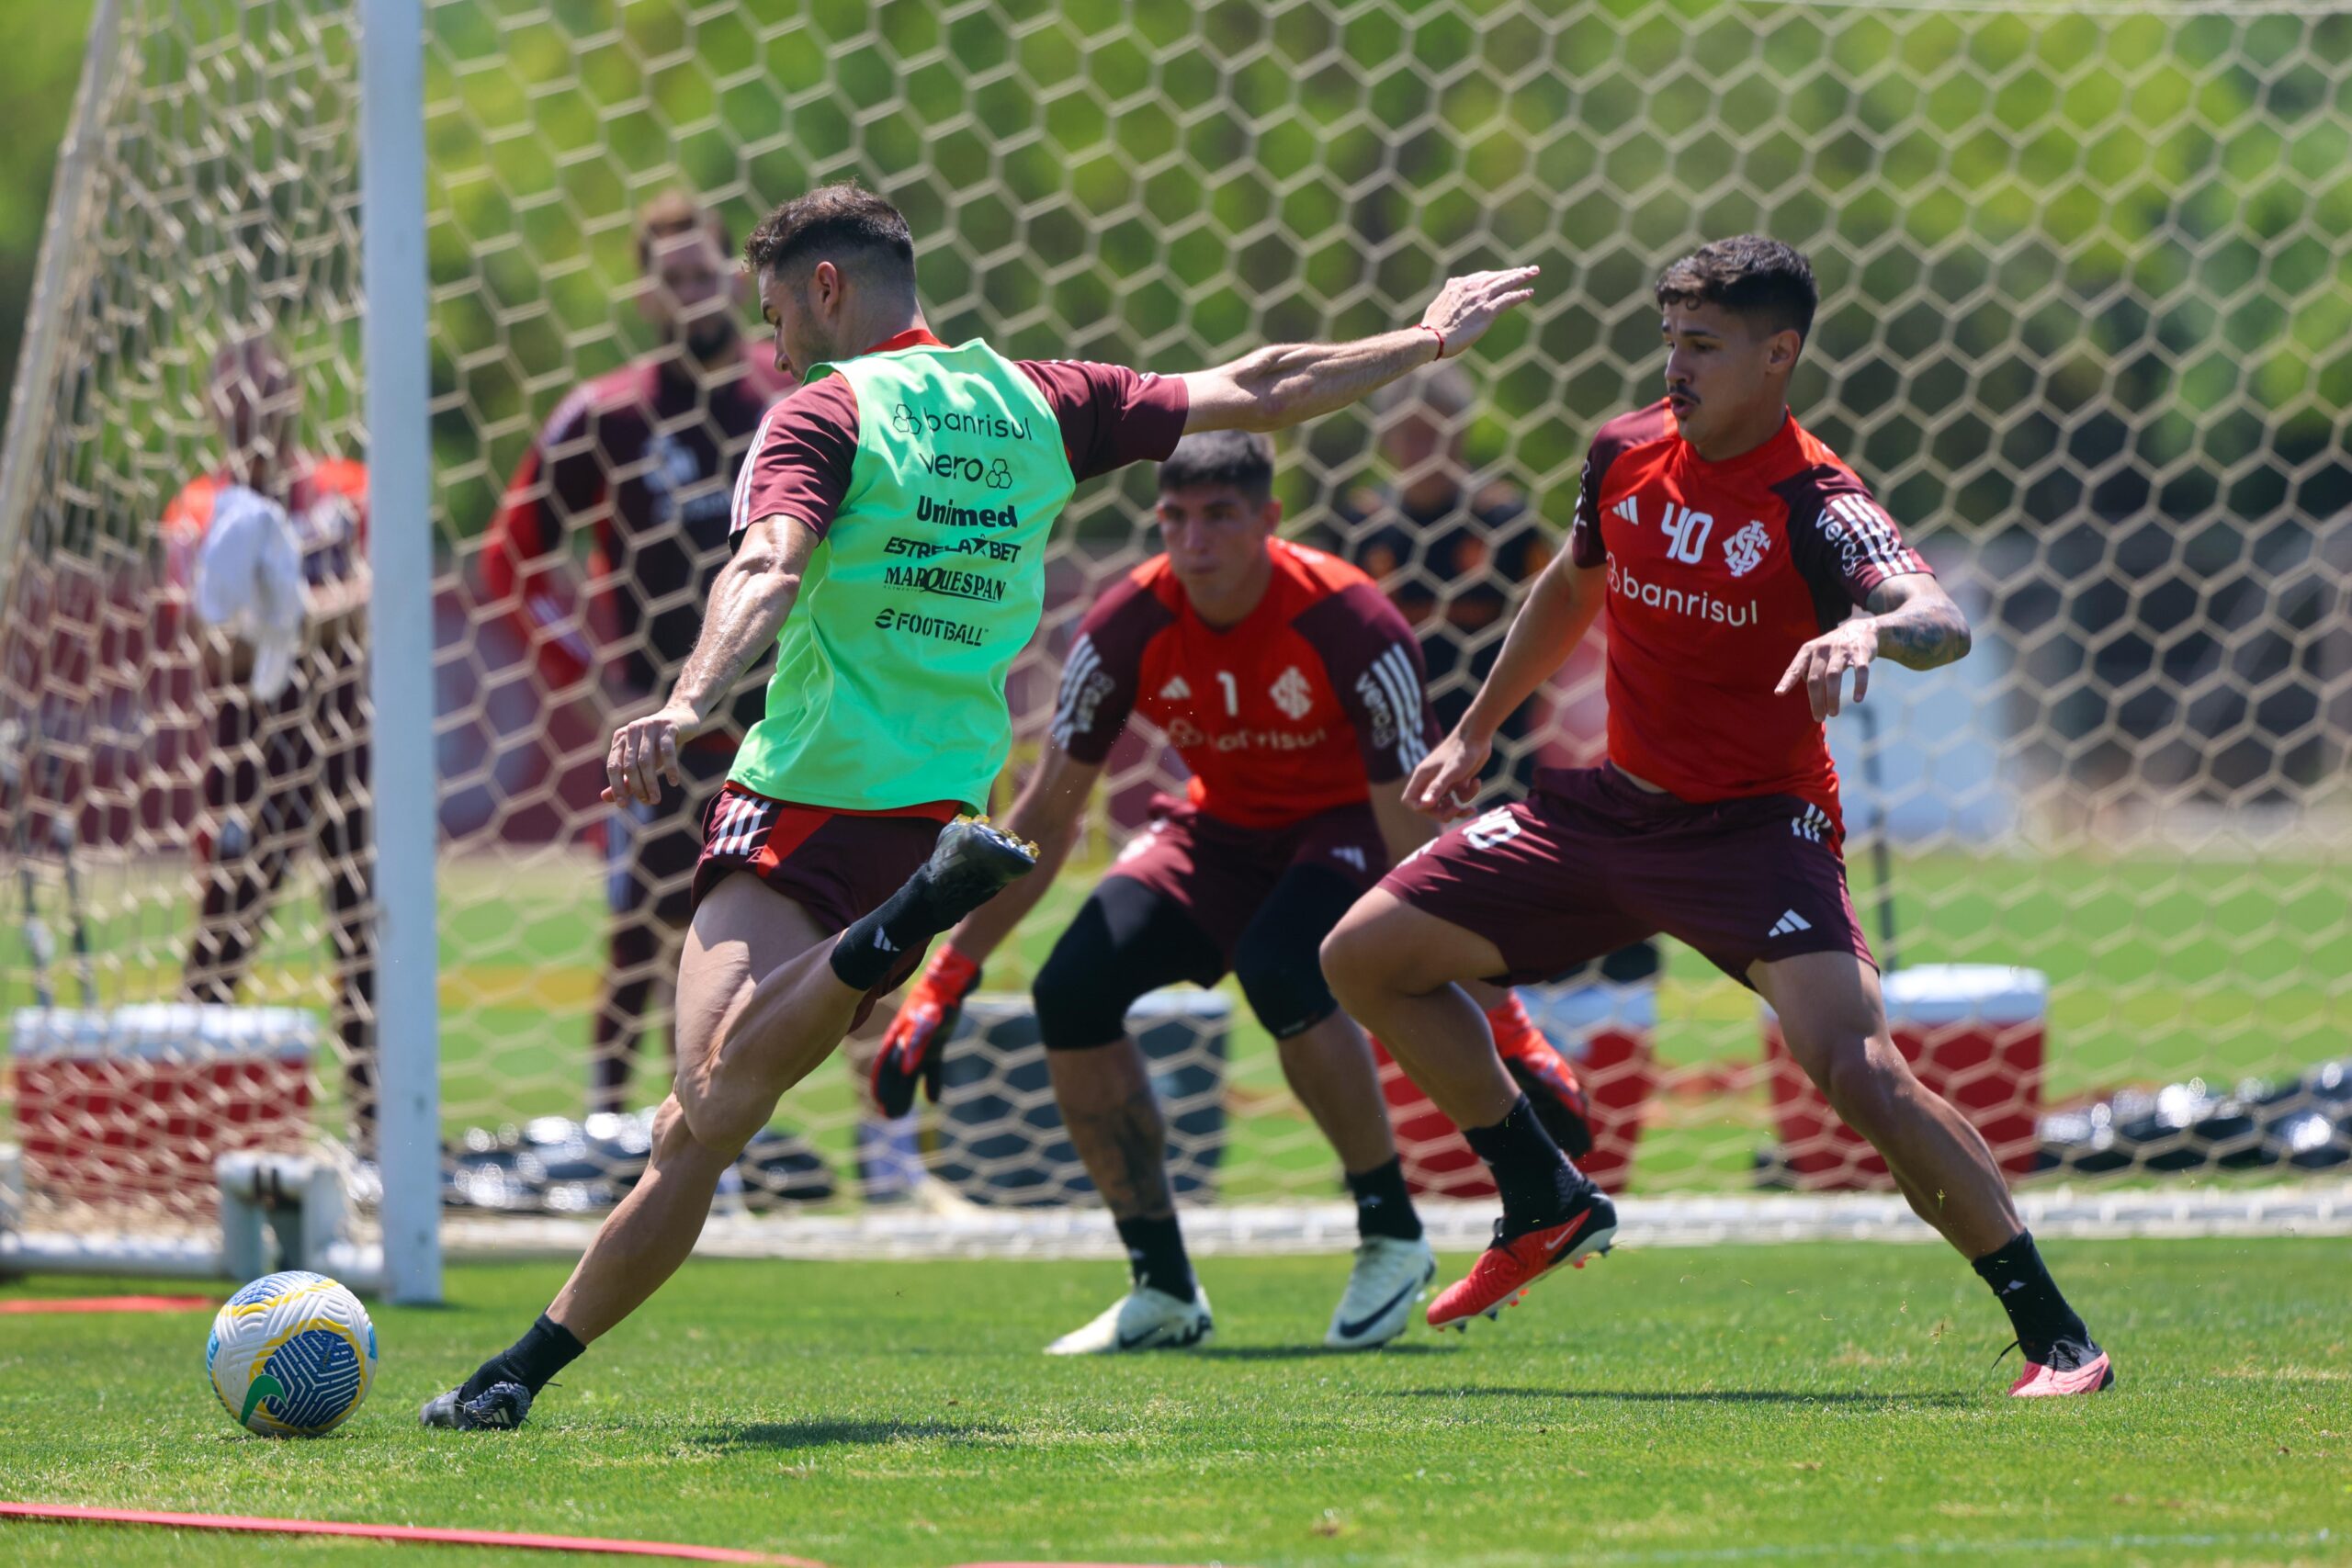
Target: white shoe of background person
[[1383, 1288], [1144, 1319]]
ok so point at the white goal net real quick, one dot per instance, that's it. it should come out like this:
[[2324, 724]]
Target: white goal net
[[2087, 298]]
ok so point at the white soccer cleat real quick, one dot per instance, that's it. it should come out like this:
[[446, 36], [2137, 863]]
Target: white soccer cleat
[[1382, 1288], [1144, 1319]]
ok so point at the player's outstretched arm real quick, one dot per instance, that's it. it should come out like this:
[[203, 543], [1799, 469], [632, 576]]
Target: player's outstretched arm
[[1047, 812], [1273, 389], [1912, 621], [748, 600], [1552, 620]]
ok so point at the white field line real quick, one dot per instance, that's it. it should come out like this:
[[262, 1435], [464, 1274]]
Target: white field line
[[2314, 1209]]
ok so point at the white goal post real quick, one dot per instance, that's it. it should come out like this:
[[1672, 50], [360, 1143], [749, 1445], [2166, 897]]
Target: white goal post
[[2085, 271]]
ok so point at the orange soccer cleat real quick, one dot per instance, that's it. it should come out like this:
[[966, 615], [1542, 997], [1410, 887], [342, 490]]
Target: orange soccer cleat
[[1508, 1267]]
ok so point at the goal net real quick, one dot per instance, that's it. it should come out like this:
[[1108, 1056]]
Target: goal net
[[2086, 273]]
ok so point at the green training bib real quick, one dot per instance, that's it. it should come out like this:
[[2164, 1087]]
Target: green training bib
[[889, 674]]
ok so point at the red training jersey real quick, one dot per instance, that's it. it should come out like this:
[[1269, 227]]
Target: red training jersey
[[1718, 574], [1302, 706]]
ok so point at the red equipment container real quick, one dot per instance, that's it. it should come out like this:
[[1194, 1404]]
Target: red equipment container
[[1604, 1031], [130, 1107], [1974, 1033]]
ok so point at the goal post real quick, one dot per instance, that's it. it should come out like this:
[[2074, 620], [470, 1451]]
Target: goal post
[[405, 787], [2084, 267]]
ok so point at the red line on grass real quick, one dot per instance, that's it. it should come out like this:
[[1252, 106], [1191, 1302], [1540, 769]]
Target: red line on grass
[[110, 1303], [61, 1512]]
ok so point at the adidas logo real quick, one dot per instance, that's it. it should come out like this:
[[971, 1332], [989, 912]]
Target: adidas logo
[[1352, 854], [1789, 924], [1625, 509], [1176, 691], [883, 941], [1810, 824]]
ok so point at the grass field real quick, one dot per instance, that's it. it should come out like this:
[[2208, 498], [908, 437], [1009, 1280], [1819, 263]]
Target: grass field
[[1727, 1405], [2160, 968]]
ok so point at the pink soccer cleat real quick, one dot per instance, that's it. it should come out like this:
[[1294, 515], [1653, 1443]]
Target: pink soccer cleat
[[2084, 1370]]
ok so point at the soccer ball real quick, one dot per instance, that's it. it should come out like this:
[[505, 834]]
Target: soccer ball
[[292, 1355]]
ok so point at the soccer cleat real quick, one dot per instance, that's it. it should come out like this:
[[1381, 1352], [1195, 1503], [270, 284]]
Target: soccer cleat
[[501, 1407], [972, 863], [1506, 1270], [1383, 1288], [2064, 1368], [1144, 1319]]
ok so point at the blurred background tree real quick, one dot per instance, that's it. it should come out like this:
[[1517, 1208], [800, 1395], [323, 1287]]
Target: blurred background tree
[[41, 61]]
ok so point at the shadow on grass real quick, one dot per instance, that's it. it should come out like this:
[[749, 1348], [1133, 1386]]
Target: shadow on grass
[[829, 1434], [1943, 1397], [1311, 1352]]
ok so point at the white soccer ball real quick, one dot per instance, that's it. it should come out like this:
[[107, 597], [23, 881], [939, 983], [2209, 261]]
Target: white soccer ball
[[292, 1355]]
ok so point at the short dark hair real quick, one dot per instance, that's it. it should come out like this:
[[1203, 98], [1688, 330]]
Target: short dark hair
[[675, 212], [1243, 459], [1750, 276], [845, 224]]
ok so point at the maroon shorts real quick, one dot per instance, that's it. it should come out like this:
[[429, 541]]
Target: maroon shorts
[[1220, 875], [837, 864], [1591, 862]]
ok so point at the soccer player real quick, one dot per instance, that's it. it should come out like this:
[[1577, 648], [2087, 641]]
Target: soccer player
[[288, 769], [643, 460], [891, 528], [1449, 544], [1732, 546], [1291, 690]]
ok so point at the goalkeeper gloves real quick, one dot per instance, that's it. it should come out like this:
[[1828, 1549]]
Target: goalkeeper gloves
[[915, 1047]]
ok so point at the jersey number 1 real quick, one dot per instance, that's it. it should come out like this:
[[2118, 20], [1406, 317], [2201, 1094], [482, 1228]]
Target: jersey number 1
[[1232, 693]]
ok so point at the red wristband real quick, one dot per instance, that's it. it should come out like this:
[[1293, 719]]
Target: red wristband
[[1435, 333]]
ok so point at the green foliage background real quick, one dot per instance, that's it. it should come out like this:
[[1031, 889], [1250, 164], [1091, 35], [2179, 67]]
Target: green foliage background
[[40, 60], [2051, 241]]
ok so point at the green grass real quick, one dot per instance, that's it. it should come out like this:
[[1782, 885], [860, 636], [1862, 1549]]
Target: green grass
[[1662, 1406]]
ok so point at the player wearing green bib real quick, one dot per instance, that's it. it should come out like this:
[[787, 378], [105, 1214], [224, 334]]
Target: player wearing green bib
[[890, 528]]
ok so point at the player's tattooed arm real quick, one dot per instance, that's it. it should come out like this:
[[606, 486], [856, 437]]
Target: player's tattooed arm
[[1912, 621], [1918, 625], [748, 600], [1275, 388]]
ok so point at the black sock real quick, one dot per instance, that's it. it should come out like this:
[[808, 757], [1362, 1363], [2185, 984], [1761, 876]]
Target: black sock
[[1534, 1178], [1155, 1255], [1384, 1207], [2037, 1313], [545, 1350], [878, 942]]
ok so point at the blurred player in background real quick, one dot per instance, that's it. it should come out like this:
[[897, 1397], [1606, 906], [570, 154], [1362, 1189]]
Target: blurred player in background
[[1732, 548], [1291, 690], [642, 461], [891, 526], [269, 554], [1449, 544]]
